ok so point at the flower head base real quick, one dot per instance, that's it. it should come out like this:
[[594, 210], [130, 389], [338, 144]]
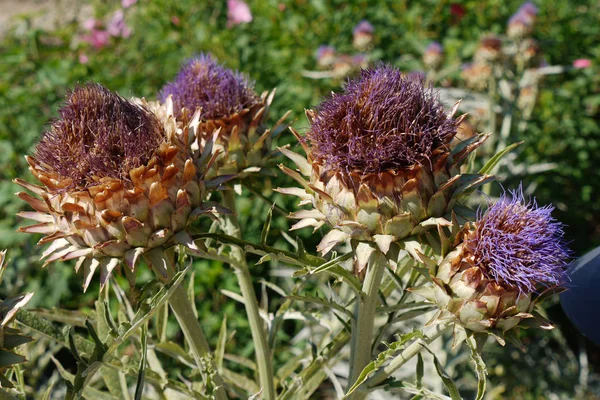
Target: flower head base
[[204, 83], [227, 105], [379, 161], [139, 184], [98, 135], [382, 121], [488, 281], [490, 49], [476, 75], [519, 245]]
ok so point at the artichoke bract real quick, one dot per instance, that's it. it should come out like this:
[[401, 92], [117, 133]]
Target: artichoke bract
[[119, 178], [228, 105], [381, 162], [489, 281]]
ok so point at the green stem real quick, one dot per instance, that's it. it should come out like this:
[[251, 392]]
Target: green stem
[[408, 353], [363, 324], [192, 331], [231, 226]]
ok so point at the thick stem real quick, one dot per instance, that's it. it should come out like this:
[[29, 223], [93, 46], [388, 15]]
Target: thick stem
[[363, 324], [231, 227], [408, 353], [188, 322]]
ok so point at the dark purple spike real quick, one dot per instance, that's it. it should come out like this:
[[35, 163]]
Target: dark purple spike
[[99, 134], [381, 121], [202, 82], [520, 245]]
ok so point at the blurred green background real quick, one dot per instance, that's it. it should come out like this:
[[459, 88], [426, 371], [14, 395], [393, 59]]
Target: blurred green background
[[46, 48]]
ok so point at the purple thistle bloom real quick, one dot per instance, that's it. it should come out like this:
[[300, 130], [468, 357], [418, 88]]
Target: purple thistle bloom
[[381, 121], [529, 8], [363, 26], [99, 134], [324, 51], [434, 48], [202, 82], [519, 244]]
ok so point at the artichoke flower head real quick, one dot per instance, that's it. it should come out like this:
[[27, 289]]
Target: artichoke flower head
[[228, 105], [380, 165], [500, 263], [118, 178]]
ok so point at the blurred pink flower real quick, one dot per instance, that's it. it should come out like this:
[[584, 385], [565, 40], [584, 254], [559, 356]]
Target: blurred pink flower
[[582, 63], [83, 58], [175, 20], [97, 38], [127, 3], [238, 12], [117, 25], [91, 23]]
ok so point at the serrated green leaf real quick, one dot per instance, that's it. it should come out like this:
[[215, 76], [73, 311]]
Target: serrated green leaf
[[176, 352], [139, 386], [267, 226], [420, 371], [446, 379], [321, 301], [220, 349], [489, 166], [382, 358], [476, 341]]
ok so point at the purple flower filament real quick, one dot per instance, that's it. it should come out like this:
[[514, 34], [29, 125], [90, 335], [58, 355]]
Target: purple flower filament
[[519, 244], [204, 83], [382, 121]]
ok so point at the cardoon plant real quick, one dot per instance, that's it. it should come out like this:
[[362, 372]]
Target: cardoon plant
[[381, 166], [119, 181], [229, 109]]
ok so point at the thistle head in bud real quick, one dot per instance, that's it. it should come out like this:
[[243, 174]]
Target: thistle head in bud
[[433, 55], [521, 23], [204, 83], [490, 49], [325, 56], [99, 134], [363, 35]]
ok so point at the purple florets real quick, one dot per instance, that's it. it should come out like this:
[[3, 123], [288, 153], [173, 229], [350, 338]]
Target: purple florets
[[99, 134], [363, 27], [434, 48], [202, 82], [381, 121], [520, 245]]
